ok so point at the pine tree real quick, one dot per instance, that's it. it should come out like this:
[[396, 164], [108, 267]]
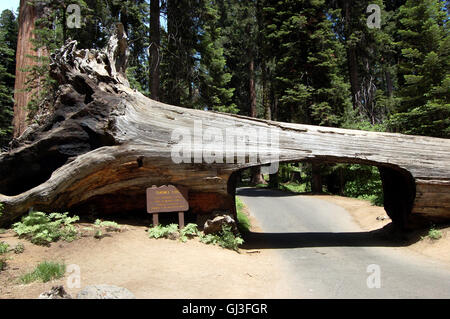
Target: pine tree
[[214, 93], [8, 46], [424, 70]]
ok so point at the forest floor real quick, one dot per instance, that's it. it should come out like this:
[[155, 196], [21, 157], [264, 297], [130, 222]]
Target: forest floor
[[163, 268]]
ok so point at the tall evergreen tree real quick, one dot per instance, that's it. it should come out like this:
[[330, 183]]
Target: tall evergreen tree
[[424, 69], [8, 47], [214, 92]]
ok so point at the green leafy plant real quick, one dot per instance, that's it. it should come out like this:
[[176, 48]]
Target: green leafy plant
[[160, 231], [189, 231], [4, 248], [108, 225], [209, 239], [434, 234], [42, 229], [1, 209], [45, 271], [228, 239], [98, 234], [19, 248]]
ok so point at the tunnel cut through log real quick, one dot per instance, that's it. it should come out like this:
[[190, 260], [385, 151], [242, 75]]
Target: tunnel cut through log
[[102, 144]]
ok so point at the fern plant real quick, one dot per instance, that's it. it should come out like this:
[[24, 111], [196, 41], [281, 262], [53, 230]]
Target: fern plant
[[160, 231], [42, 229], [189, 231]]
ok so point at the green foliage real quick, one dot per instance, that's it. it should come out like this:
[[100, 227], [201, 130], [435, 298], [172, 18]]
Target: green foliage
[[1, 209], [160, 231], [4, 248], [227, 239], [42, 229], [423, 70], [364, 182], [8, 45], [45, 271], [434, 234], [19, 248], [108, 225], [242, 219], [188, 231]]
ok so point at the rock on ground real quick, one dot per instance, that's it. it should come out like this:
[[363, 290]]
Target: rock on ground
[[105, 292], [57, 292], [214, 226]]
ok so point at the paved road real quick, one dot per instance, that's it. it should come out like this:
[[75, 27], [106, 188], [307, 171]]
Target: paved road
[[327, 255]]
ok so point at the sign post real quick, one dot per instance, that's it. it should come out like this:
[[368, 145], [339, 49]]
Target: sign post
[[167, 199]]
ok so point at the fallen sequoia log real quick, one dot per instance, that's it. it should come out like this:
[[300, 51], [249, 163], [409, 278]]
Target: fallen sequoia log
[[102, 144]]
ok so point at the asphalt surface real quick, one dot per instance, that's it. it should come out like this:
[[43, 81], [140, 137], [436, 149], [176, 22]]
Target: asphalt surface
[[325, 254]]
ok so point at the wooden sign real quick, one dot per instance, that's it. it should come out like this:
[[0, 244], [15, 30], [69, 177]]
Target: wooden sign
[[167, 199]]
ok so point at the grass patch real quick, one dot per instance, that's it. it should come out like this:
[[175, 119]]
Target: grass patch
[[4, 248], [45, 271], [242, 219], [42, 229], [294, 187]]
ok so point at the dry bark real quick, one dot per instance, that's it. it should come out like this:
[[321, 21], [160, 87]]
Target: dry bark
[[105, 143], [28, 15]]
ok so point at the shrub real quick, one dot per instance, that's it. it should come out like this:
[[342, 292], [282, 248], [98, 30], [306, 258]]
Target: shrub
[[42, 229], [45, 272], [228, 240], [109, 225], [434, 234], [225, 238], [19, 248], [4, 247], [209, 239], [189, 231], [160, 231]]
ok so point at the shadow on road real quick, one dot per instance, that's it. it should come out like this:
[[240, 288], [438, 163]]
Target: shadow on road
[[264, 192], [384, 237]]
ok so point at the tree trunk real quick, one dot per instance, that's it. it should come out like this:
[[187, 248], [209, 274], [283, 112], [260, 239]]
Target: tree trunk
[[252, 89], [316, 178], [155, 42], [104, 144], [352, 61], [28, 14]]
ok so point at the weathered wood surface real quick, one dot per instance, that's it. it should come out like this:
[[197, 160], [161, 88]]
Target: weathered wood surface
[[104, 144]]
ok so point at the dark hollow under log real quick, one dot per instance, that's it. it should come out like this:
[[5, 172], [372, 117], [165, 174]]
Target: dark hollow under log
[[102, 144]]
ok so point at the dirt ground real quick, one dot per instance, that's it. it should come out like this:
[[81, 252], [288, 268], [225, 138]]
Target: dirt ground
[[163, 268], [149, 268]]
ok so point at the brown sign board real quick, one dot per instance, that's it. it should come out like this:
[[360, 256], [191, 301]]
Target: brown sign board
[[167, 199]]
